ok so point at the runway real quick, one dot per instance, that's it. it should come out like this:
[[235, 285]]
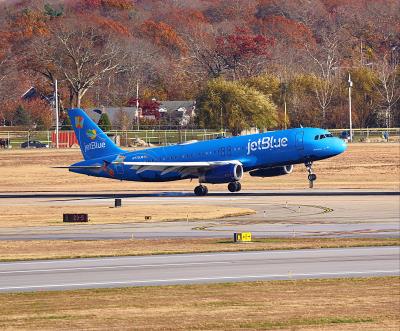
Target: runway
[[283, 213], [198, 268]]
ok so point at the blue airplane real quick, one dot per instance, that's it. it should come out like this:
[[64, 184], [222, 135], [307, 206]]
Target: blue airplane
[[214, 161]]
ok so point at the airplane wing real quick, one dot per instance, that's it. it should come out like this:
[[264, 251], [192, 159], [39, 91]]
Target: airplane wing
[[184, 168]]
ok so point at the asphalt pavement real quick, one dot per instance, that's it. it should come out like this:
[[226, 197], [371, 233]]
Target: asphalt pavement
[[198, 268]]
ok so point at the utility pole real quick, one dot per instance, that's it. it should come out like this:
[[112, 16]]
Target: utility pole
[[57, 119], [350, 119], [284, 88], [221, 120], [137, 105], [285, 113]]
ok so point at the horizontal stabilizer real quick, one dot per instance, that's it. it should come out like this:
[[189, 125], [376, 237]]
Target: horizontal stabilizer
[[80, 167]]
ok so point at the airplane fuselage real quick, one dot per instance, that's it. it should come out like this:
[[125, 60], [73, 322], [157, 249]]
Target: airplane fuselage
[[265, 150]]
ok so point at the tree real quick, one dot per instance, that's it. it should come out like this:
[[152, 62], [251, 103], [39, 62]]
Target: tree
[[66, 123], [232, 105], [303, 107], [325, 58], [79, 55], [365, 98], [387, 83], [123, 121], [40, 113], [21, 117], [164, 36], [104, 122], [243, 52]]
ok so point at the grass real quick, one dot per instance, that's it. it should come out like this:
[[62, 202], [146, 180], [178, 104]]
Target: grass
[[52, 249], [363, 165], [43, 215], [327, 304]]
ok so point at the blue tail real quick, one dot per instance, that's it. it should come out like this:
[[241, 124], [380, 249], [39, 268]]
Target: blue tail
[[93, 142]]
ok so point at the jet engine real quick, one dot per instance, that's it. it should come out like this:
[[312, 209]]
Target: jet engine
[[223, 174], [272, 172]]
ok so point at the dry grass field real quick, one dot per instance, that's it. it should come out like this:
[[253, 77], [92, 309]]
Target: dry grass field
[[372, 165], [343, 304], [44, 215], [57, 249]]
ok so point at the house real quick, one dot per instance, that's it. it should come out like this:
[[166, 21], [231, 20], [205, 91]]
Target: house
[[32, 93], [169, 112], [178, 112]]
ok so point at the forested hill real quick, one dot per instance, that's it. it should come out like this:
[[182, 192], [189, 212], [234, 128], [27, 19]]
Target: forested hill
[[224, 53]]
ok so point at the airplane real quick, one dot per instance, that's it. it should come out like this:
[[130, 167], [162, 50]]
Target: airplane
[[217, 161]]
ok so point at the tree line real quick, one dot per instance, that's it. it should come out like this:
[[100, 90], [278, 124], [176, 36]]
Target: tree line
[[264, 63]]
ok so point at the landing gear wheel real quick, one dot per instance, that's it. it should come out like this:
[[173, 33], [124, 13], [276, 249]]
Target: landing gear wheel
[[238, 186], [200, 190], [234, 187], [311, 176]]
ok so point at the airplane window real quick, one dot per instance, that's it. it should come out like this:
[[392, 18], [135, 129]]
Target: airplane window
[[316, 137], [329, 135], [322, 136]]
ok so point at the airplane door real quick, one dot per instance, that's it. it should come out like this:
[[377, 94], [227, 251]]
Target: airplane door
[[299, 140]]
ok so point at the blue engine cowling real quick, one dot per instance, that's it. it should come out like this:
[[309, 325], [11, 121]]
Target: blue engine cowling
[[272, 172], [223, 174]]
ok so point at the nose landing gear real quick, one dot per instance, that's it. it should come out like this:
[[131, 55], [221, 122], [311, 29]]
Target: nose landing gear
[[311, 176]]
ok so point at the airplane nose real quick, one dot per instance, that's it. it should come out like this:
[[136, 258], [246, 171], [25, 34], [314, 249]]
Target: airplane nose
[[340, 146]]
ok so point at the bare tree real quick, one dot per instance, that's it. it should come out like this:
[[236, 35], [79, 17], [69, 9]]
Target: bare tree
[[325, 58], [388, 83], [79, 57]]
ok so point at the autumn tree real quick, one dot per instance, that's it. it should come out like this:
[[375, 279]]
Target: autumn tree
[[243, 52]]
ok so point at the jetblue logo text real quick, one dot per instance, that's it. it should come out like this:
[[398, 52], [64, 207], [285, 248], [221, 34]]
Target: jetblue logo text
[[94, 145], [266, 143]]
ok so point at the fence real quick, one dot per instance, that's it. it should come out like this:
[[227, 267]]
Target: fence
[[126, 138], [167, 137], [370, 134]]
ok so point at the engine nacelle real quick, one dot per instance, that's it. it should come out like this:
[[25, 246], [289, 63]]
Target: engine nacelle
[[223, 174], [272, 172]]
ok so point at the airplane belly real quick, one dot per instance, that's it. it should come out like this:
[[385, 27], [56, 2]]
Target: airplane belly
[[153, 176]]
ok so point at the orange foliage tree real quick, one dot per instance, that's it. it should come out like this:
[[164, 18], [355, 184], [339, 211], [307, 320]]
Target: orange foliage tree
[[163, 35]]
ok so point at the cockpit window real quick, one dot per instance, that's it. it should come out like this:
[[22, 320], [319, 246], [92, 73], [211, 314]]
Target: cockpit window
[[323, 136]]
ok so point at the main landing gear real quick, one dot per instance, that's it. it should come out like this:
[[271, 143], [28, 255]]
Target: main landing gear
[[234, 187], [311, 176], [202, 190]]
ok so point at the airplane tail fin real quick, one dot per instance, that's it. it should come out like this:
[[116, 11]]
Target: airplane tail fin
[[93, 142]]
